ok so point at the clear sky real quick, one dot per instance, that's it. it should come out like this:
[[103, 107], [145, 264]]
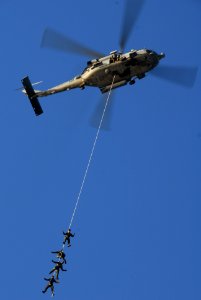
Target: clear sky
[[138, 223]]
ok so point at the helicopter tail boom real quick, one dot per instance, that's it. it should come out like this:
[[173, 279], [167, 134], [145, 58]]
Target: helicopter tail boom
[[32, 96]]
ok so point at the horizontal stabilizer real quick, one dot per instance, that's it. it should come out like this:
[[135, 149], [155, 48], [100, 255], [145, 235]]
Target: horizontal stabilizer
[[32, 96]]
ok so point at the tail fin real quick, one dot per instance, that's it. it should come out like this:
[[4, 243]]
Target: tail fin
[[32, 96]]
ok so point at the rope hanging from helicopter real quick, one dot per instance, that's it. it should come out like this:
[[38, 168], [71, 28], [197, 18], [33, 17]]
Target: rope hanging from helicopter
[[91, 155]]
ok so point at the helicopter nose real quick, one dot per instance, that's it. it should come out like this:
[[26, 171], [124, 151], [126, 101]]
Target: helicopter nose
[[161, 55]]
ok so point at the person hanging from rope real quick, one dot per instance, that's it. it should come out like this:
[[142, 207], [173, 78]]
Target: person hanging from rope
[[60, 255], [50, 284], [67, 237], [58, 266]]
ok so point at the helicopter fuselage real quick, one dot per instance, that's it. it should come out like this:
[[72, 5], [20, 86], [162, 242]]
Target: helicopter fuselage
[[125, 67], [100, 72]]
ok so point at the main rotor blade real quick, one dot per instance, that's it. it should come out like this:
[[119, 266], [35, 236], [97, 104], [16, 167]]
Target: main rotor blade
[[98, 111], [184, 76], [54, 40], [131, 14]]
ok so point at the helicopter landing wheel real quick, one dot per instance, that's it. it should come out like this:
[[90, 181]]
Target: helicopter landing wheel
[[132, 82], [82, 87]]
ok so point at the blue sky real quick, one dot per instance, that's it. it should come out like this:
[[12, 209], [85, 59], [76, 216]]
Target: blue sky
[[138, 223]]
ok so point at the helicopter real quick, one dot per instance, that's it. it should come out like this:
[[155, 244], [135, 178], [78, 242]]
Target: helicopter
[[112, 71]]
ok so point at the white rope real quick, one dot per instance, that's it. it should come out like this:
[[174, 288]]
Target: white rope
[[91, 155]]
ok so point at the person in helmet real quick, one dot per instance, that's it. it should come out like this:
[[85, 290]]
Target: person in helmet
[[60, 255], [58, 266], [67, 237], [50, 284]]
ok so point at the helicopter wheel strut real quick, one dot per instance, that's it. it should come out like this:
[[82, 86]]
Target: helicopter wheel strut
[[132, 82]]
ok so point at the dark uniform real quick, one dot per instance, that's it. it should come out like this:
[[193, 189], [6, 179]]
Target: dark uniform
[[67, 237], [58, 266], [60, 255], [50, 284]]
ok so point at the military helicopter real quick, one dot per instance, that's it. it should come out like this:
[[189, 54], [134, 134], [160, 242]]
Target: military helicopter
[[124, 68]]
